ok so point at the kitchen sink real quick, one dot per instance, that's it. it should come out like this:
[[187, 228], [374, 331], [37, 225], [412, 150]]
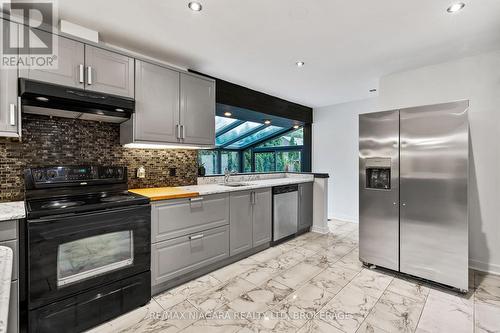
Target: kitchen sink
[[236, 184]]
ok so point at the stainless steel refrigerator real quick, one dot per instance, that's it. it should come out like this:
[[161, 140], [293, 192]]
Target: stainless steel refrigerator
[[413, 178]]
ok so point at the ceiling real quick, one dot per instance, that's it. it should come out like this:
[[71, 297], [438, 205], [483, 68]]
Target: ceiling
[[346, 45]]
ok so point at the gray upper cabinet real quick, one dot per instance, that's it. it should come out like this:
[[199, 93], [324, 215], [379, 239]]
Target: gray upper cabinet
[[70, 66], [156, 103], [109, 72], [10, 115], [240, 222], [262, 216], [197, 110], [305, 205]]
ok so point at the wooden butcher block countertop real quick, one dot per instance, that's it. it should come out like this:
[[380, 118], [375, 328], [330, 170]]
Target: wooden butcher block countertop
[[164, 193]]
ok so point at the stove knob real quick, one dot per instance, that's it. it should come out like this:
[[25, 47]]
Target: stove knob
[[51, 174], [38, 176]]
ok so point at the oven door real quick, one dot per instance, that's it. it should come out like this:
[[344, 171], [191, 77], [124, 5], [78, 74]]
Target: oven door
[[71, 254]]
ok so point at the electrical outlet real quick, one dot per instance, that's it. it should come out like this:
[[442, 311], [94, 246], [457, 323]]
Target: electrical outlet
[[141, 172]]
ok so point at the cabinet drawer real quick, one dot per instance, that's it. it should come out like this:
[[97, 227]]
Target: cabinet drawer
[[175, 218], [181, 255], [15, 260], [8, 230], [13, 321]]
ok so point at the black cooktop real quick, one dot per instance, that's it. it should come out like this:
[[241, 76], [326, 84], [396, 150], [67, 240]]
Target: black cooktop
[[63, 190], [82, 203]]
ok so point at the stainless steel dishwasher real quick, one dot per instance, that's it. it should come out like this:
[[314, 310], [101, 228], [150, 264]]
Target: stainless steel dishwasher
[[285, 211]]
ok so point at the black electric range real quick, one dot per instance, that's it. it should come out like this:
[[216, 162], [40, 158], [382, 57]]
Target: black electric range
[[87, 248]]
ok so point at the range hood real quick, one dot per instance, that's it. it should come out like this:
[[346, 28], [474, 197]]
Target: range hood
[[61, 101]]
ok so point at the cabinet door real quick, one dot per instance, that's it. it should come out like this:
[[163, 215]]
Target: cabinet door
[[305, 205], [262, 216], [109, 72], [240, 221], [70, 65], [197, 110], [9, 114], [13, 319], [156, 103], [185, 254]]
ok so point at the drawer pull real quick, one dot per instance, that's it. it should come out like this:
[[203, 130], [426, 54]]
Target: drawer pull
[[196, 237], [198, 199]]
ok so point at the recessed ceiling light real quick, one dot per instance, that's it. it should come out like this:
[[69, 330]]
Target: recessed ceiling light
[[195, 6], [456, 7], [228, 114], [296, 126], [300, 63], [42, 99], [267, 122]]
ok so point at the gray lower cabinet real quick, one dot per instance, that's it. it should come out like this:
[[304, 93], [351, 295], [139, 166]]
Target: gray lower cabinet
[[70, 65], [250, 219], [13, 319], [188, 234], [185, 254], [10, 115], [262, 217], [197, 116], [109, 72], [305, 205], [8, 237], [156, 116], [178, 217], [241, 210]]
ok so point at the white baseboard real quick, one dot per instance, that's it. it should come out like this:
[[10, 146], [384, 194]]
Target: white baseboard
[[484, 267], [344, 218], [320, 230]]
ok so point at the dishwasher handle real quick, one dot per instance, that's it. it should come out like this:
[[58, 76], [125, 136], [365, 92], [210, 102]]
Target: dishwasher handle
[[285, 189]]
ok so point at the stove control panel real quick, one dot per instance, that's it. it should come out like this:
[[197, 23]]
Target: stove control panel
[[76, 174]]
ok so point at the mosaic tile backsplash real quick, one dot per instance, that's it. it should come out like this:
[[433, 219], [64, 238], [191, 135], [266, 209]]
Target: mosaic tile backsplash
[[54, 141]]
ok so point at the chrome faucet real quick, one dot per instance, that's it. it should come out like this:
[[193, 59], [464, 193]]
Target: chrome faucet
[[228, 174]]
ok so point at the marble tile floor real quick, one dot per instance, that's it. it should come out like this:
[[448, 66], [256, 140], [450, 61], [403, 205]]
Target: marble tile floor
[[315, 283]]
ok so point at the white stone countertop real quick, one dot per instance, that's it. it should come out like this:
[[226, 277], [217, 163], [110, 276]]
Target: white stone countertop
[[217, 187], [12, 210], [6, 256]]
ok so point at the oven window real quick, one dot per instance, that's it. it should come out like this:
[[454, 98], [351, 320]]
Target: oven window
[[85, 258]]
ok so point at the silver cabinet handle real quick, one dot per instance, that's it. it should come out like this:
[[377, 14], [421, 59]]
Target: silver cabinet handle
[[12, 114], [252, 198], [183, 132], [197, 199], [89, 75], [404, 205], [394, 203], [178, 131], [196, 237], [80, 71]]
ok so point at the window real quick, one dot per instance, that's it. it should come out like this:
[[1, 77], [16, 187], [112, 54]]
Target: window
[[247, 161], [252, 146], [295, 138], [209, 159], [289, 161], [265, 162], [230, 160], [236, 132], [263, 133]]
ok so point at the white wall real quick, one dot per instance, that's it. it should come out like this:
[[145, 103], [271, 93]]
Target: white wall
[[335, 151], [475, 78]]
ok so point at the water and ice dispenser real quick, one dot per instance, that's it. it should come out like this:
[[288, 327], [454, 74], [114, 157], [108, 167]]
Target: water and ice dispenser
[[378, 173]]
